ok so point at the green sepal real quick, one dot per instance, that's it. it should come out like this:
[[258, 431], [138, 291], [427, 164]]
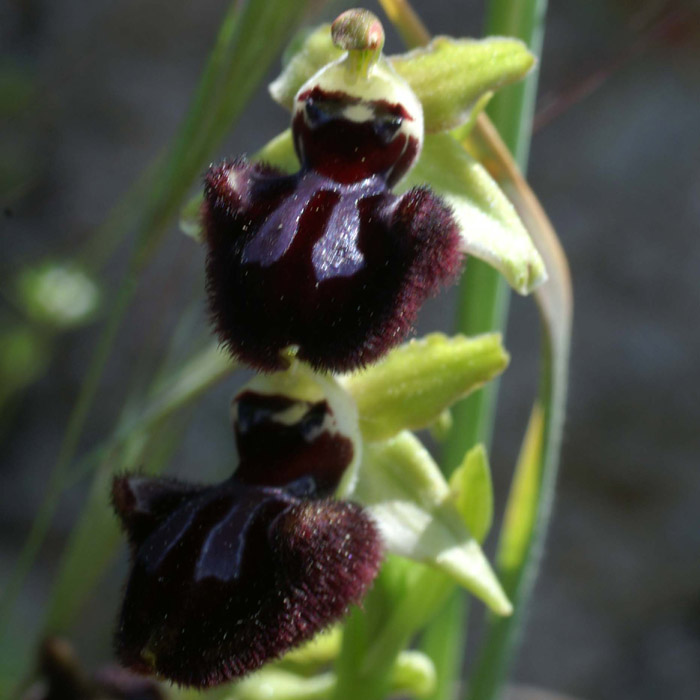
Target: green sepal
[[489, 225], [406, 493], [451, 76], [416, 382], [472, 490]]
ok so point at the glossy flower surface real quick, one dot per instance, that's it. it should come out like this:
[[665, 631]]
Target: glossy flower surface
[[329, 259], [230, 576]]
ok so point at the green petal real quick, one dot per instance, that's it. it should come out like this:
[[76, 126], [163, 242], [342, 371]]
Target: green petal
[[490, 228], [416, 382], [451, 76], [472, 491], [408, 496]]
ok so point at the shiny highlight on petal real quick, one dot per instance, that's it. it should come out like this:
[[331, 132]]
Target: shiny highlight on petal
[[235, 575]]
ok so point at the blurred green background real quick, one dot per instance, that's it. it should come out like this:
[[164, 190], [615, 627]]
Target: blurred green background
[[91, 93]]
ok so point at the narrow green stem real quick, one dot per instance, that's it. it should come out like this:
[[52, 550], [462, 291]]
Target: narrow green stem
[[512, 113], [483, 294]]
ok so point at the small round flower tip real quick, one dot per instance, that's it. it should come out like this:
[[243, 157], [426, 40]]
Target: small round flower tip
[[236, 576], [358, 30]]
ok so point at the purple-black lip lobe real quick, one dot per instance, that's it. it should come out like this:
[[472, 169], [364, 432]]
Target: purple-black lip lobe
[[327, 259], [235, 575]]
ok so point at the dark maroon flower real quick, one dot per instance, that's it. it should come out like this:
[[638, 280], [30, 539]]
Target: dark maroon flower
[[328, 259], [274, 450], [225, 578]]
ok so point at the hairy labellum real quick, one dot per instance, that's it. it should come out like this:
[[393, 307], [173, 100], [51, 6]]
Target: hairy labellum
[[328, 259], [225, 578]]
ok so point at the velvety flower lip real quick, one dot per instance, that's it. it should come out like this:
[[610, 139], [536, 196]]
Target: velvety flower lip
[[339, 270], [227, 577], [328, 259]]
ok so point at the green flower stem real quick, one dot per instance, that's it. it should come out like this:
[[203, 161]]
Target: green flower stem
[[483, 295], [512, 113]]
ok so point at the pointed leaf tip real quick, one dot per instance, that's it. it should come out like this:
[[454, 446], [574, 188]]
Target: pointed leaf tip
[[417, 381], [451, 76], [472, 490]]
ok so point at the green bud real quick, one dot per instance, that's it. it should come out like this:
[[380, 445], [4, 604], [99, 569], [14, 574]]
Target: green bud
[[322, 649], [414, 673]]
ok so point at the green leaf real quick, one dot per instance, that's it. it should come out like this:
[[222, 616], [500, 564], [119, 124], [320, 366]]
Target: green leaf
[[521, 511], [314, 52], [451, 76], [491, 229], [472, 490], [23, 359], [417, 381], [408, 496]]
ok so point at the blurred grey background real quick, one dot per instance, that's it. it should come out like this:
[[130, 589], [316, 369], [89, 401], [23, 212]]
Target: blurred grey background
[[617, 606]]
